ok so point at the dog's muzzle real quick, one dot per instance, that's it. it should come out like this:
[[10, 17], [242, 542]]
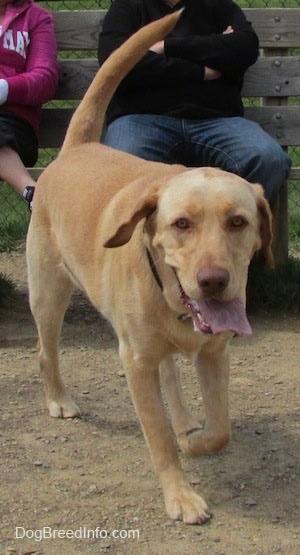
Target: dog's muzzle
[[215, 316]]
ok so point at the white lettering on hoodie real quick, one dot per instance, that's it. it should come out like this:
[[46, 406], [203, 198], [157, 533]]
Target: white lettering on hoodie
[[16, 41]]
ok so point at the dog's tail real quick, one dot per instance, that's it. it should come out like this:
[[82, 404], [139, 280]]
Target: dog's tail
[[87, 121]]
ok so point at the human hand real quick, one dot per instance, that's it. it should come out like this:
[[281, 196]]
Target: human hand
[[210, 74], [158, 47], [3, 91], [228, 30]]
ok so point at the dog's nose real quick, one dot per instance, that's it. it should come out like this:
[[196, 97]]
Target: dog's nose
[[212, 281]]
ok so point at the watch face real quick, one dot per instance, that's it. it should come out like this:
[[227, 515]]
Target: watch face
[[27, 195]]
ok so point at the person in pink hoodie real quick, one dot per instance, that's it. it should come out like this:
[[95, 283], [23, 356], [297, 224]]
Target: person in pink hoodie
[[29, 75]]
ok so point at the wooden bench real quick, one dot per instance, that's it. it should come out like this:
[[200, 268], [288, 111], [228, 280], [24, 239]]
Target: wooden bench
[[272, 81]]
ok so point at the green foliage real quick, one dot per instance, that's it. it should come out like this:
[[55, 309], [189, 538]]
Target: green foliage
[[14, 218], [278, 289], [7, 288], [268, 3], [11, 235]]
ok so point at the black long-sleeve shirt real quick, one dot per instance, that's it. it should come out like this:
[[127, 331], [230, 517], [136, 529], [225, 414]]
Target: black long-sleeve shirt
[[173, 83]]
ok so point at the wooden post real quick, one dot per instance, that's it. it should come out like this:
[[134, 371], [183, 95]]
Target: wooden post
[[280, 212]]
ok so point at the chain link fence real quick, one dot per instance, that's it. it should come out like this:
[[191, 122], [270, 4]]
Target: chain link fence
[[14, 214]]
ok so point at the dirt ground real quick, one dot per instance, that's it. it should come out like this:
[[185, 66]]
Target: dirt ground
[[86, 485]]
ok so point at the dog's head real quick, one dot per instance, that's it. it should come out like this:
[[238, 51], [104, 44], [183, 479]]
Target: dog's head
[[206, 224]]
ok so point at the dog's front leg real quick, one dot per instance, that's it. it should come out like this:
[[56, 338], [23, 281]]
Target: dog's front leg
[[180, 499], [212, 366]]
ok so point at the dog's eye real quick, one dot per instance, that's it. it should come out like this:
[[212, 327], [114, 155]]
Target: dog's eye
[[182, 223], [237, 222]]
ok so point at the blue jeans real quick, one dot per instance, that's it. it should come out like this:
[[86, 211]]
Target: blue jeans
[[234, 144]]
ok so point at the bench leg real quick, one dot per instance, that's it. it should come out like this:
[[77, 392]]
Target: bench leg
[[280, 239]]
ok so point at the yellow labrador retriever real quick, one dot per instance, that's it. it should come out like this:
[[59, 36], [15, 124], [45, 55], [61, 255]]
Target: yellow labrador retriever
[[163, 252]]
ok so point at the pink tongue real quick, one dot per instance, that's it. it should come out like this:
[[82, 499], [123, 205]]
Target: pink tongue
[[226, 316]]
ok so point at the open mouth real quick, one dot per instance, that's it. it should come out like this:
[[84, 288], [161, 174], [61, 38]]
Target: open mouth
[[214, 316]]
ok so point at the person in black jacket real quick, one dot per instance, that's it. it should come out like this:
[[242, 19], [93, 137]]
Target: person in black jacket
[[182, 102]]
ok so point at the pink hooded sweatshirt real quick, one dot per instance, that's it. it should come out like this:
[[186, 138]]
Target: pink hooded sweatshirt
[[28, 60]]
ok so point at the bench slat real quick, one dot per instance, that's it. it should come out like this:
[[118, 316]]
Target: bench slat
[[78, 29], [277, 76], [276, 27], [295, 173], [281, 122], [269, 77], [75, 78]]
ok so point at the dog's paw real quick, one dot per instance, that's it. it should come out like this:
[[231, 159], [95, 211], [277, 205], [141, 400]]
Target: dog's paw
[[184, 504], [64, 408], [197, 442]]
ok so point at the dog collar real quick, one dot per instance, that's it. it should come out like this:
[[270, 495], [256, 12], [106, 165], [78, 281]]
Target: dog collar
[[159, 282], [154, 269]]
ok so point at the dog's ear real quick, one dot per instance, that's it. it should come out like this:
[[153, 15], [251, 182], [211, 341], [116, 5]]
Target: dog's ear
[[124, 212], [265, 225]]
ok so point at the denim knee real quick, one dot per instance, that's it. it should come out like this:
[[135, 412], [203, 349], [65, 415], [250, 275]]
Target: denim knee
[[268, 165]]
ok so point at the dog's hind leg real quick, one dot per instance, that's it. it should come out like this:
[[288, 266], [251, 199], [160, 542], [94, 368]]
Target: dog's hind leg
[[183, 421], [212, 366], [50, 290], [213, 373]]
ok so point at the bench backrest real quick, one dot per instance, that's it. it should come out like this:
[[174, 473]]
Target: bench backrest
[[274, 78], [272, 82]]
